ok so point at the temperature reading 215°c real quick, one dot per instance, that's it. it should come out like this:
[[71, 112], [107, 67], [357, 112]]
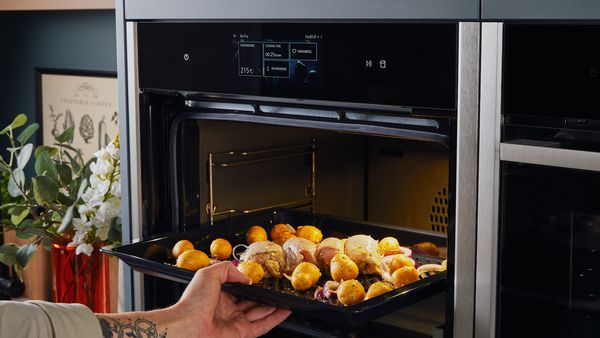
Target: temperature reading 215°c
[[247, 71]]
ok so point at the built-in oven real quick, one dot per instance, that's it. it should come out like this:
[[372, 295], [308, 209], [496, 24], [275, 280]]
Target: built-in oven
[[539, 222], [354, 125]]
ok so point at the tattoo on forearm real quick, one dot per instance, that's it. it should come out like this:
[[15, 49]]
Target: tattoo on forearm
[[139, 328]]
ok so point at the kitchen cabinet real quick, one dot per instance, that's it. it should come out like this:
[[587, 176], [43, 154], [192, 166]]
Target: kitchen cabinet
[[307, 9], [540, 9], [40, 5]]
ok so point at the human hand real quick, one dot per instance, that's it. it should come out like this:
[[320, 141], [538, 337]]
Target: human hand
[[208, 311]]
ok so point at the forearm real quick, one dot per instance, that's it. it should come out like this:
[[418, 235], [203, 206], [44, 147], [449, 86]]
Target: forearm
[[161, 323]]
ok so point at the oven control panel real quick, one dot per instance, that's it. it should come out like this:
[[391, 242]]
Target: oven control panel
[[397, 64]]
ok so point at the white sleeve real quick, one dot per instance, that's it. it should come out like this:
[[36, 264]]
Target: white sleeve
[[70, 320], [47, 320], [21, 320]]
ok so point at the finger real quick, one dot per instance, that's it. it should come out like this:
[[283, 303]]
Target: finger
[[259, 312], [233, 275], [264, 325]]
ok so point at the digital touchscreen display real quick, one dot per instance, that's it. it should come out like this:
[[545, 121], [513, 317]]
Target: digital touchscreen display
[[293, 59]]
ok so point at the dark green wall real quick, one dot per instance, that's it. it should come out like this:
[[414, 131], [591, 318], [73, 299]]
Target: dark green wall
[[74, 40]]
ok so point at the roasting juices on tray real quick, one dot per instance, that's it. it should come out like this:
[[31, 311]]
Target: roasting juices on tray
[[331, 269]]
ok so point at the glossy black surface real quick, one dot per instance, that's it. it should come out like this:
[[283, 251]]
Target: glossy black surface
[[401, 64], [551, 84], [149, 257], [549, 268]]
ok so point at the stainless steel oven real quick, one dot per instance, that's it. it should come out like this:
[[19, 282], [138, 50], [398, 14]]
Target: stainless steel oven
[[356, 121], [538, 230]]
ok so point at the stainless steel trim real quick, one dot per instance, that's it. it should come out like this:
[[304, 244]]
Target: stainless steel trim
[[134, 154], [307, 9], [555, 157], [125, 275], [466, 178], [489, 179]]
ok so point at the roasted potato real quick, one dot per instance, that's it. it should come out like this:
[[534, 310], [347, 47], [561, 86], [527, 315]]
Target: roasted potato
[[404, 275], [350, 292], [281, 230], [428, 248], [301, 281], [193, 260], [378, 288], [388, 246], [310, 232], [256, 233], [310, 269], [181, 247], [399, 261], [253, 270], [220, 249], [343, 268], [284, 237]]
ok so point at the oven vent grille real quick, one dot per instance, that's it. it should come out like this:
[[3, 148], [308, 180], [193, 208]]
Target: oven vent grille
[[439, 212]]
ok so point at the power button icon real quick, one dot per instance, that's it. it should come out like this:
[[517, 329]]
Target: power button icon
[[382, 64], [186, 56]]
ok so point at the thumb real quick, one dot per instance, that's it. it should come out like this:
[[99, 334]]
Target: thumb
[[230, 273]]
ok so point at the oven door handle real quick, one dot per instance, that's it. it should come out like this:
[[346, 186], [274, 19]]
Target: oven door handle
[[554, 157]]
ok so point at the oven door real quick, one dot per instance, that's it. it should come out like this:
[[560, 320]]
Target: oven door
[[549, 252]]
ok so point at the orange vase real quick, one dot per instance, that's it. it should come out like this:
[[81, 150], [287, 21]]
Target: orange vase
[[80, 278]]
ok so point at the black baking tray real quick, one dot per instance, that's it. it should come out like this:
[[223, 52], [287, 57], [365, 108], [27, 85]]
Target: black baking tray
[[150, 257]]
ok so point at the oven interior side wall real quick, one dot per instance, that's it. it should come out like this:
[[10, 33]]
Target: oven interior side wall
[[340, 168]]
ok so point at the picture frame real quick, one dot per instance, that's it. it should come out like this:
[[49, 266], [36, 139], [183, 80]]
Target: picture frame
[[84, 99]]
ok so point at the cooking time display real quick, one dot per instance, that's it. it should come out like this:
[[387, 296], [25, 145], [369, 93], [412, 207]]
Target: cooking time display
[[295, 60]]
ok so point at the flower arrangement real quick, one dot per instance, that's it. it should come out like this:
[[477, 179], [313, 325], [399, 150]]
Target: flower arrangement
[[60, 199]]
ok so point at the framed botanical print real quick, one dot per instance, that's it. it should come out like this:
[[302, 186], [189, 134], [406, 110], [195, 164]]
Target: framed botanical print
[[84, 100]]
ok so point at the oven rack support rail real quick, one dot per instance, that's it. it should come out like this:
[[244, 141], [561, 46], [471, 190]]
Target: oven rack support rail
[[233, 159]]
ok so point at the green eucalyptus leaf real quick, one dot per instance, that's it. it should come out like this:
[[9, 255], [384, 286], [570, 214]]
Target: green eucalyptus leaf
[[19, 271], [39, 232], [41, 149], [64, 173], [24, 155], [74, 164], [17, 219], [16, 210], [25, 253], [68, 147], [44, 165], [29, 223], [45, 189], [26, 134], [16, 180], [56, 217], [22, 234], [19, 120], [66, 221], [82, 188], [8, 254], [64, 200], [66, 136]]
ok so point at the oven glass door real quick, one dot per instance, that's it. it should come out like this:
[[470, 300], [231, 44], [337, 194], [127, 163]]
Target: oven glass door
[[549, 258]]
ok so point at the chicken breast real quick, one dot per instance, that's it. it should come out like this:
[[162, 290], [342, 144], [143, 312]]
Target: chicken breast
[[362, 249], [268, 254], [298, 250], [328, 248]]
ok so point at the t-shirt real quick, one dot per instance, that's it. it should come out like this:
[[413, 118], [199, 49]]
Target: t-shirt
[[47, 320]]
